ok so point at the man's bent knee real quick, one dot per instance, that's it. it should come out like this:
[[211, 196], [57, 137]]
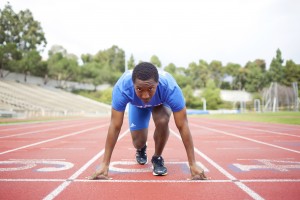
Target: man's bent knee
[[139, 138], [162, 121], [161, 116]]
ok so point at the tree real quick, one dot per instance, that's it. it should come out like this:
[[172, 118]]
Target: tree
[[8, 58], [42, 71], [8, 35], [62, 68], [199, 74], [29, 62], [261, 64], [204, 73], [106, 96], [181, 77], [276, 69], [171, 68], [212, 95], [20, 34], [114, 58], [240, 79], [216, 72], [155, 60], [30, 32], [231, 69], [86, 58], [255, 76], [190, 100], [193, 72], [57, 49], [231, 73], [91, 73], [131, 62], [291, 73]]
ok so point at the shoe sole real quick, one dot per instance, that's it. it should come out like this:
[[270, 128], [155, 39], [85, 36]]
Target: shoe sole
[[142, 163], [155, 174]]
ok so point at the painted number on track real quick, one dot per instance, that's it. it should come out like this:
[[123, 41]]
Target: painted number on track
[[264, 164], [43, 165]]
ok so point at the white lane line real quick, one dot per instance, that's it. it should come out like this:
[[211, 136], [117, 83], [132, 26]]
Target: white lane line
[[20, 127], [265, 125], [237, 182], [76, 142], [74, 148], [17, 126], [53, 139], [156, 181], [245, 138], [253, 129], [233, 148], [270, 180], [31, 180], [67, 182], [40, 131]]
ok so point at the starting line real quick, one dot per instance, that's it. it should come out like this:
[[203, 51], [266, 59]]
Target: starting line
[[156, 181]]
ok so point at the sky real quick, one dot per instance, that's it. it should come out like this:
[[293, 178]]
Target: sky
[[177, 31]]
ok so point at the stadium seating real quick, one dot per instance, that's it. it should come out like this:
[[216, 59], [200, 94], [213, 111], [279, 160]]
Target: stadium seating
[[21, 99]]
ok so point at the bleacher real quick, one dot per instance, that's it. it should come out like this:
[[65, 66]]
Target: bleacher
[[30, 100]]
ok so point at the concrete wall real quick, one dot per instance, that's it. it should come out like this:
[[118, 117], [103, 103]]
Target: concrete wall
[[50, 82]]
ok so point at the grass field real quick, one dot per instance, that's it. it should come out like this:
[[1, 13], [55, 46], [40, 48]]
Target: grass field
[[277, 117], [270, 117]]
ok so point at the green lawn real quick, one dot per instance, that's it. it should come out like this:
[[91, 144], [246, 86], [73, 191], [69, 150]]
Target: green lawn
[[277, 117]]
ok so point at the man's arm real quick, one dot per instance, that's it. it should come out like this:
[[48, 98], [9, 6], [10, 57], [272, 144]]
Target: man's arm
[[181, 122], [113, 134], [111, 140]]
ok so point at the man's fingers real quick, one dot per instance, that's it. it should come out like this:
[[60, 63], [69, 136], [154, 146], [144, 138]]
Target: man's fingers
[[197, 177], [98, 177], [201, 176]]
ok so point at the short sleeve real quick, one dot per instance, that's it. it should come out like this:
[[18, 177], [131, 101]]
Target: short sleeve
[[119, 100], [176, 99]]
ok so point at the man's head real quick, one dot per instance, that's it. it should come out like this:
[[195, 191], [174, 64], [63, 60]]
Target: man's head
[[145, 71], [145, 80]]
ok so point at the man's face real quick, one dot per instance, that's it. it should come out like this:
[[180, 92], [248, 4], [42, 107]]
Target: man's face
[[145, 89]]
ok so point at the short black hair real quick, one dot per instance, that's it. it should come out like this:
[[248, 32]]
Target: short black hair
[[145, 71]]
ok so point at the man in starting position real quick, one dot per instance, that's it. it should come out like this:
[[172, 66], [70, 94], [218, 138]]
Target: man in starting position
[[148, 91]]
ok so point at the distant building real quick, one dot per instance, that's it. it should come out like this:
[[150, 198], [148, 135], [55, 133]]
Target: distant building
[[235, 96], [231, 95]]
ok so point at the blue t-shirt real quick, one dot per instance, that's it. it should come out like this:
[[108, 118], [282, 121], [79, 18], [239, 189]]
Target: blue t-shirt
[[168, 92]]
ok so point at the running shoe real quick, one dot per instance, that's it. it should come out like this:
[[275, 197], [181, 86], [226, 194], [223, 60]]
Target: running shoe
[[141, 155], [158, 166]]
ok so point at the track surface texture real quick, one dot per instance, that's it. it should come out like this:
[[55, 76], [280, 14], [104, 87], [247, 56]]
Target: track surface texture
[[245, 160]]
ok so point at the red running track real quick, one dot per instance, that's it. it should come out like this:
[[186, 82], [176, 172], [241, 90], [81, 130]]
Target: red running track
[[245, 160]]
